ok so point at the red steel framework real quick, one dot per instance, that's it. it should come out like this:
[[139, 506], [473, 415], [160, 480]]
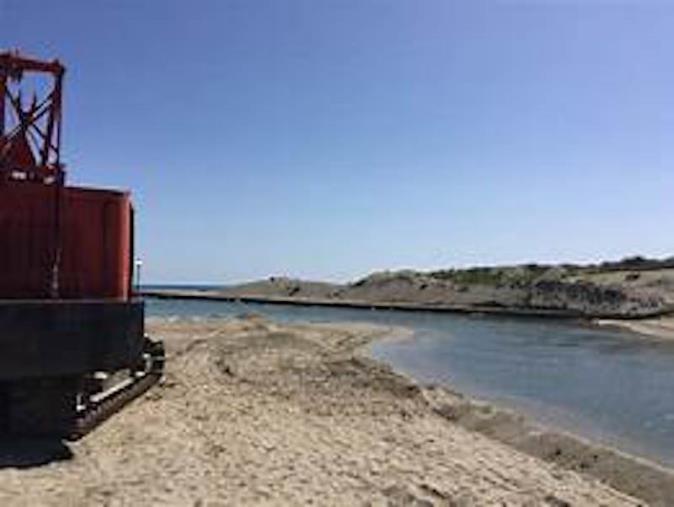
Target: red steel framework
[[30, 134]]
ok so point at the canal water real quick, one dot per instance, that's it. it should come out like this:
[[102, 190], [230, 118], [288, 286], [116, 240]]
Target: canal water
[[611, 386]]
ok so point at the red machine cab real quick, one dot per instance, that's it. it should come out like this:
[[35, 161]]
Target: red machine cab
[[91, 238]]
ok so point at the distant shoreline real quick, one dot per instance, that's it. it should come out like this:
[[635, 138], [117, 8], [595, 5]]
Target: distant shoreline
[[212, 295]]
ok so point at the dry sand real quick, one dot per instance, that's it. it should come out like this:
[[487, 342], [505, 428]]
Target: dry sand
[[253, 412]]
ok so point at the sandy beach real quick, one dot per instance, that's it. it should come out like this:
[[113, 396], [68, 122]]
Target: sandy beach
[[254, 412]]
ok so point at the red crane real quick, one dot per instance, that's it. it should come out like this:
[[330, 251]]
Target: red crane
[[72, 343]]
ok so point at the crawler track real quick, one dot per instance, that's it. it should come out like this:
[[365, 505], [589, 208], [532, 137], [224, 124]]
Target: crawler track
[[105, 405]]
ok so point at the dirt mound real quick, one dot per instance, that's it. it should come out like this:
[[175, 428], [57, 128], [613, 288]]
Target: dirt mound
[[279, 286]]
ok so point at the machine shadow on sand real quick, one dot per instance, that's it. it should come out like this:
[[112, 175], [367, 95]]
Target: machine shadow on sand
[[32, 452]]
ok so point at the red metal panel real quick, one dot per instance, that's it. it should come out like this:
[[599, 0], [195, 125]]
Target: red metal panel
[[26, 240], [95, 242]]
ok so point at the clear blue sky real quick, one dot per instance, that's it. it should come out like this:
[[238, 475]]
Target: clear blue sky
[[326, 139]]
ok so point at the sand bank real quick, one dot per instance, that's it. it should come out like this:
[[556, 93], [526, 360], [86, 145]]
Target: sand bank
[[661, 328], [252, 412]]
